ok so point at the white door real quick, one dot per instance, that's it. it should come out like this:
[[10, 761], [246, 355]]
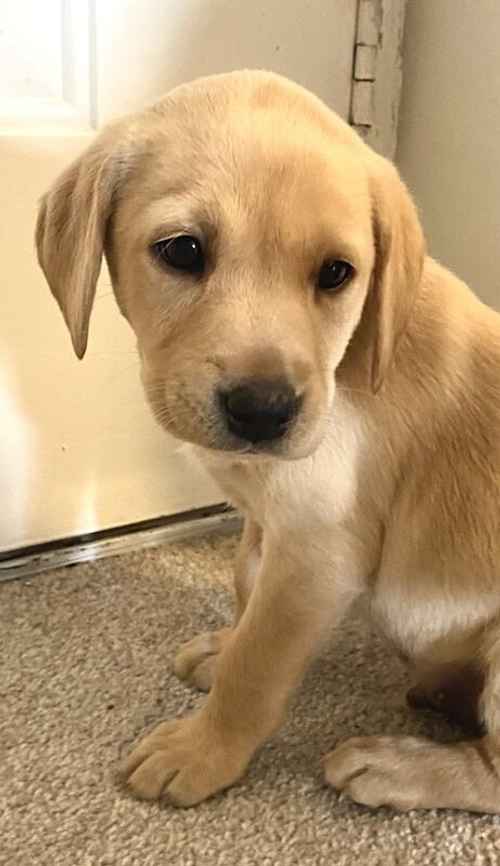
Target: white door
[[78, 449]]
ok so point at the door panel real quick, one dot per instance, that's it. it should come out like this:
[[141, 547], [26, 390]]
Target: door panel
[[79, 451]]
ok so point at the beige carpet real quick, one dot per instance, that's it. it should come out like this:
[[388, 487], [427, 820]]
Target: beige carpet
[[86, 655]]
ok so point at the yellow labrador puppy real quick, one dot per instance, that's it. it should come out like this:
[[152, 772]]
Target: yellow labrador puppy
[[344, 390]]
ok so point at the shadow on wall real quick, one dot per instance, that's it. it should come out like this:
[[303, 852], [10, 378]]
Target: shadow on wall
[[183, 39], [449, 130]]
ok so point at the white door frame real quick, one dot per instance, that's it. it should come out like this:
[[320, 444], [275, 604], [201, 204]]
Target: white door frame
[[377, 73]]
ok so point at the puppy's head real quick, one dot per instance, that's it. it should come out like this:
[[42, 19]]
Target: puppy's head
[[247, 231]]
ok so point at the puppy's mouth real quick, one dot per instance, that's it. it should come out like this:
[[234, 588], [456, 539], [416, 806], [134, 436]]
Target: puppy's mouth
[[242, 450]]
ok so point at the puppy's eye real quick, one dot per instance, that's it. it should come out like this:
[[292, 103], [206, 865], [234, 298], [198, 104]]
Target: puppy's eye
[[183, 253], [334, 274]]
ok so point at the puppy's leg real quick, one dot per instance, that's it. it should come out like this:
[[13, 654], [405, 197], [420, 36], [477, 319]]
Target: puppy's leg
[[414, 773], [197, 659], [288, 615]]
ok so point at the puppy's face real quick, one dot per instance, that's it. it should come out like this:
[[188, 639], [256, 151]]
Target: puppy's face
[[242, 261], [237, 217]]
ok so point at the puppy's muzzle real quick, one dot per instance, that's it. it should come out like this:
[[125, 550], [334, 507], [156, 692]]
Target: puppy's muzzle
[[260, 410]]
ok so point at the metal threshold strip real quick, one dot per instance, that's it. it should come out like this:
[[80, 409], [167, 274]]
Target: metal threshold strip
[[28, 561]]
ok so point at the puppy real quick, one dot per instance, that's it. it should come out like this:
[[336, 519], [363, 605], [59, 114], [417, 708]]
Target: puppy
[[344, 390]]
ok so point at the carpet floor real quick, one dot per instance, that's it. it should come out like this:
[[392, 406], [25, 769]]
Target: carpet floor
[[86, 666]]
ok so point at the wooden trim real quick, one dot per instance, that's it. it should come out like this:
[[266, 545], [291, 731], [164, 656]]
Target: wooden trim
[[377, 73]]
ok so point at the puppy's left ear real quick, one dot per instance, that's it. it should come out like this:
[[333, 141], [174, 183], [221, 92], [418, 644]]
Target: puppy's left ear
[[399, 258], [72, 227]]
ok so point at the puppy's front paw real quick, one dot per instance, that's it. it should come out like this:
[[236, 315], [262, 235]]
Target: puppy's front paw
[[183, 761], [382, 771]]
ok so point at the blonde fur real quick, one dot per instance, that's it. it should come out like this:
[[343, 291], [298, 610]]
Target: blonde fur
[[388, 482]]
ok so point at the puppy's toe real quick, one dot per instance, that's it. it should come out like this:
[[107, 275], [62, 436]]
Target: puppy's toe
[[196, 660], [382, 771], [185, 762]]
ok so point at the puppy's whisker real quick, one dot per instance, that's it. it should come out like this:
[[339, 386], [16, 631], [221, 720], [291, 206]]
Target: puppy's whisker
[[165, 416]]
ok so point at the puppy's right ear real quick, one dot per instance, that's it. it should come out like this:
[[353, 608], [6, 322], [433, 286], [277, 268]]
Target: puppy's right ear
[[399, 259], [71, 231]]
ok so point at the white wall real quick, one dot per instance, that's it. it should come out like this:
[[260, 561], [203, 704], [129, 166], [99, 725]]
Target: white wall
[[308, 40], [449, 134]]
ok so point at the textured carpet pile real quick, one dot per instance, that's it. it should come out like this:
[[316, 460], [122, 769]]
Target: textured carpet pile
[[86, 658]]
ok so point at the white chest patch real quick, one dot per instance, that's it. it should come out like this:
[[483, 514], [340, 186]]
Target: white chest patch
[[316, 491]]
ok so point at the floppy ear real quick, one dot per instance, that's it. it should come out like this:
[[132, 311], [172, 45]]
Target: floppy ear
[[71, 232], [399, 257]]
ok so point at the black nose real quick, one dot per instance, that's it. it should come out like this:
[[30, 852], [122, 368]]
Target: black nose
[[260, 410]]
